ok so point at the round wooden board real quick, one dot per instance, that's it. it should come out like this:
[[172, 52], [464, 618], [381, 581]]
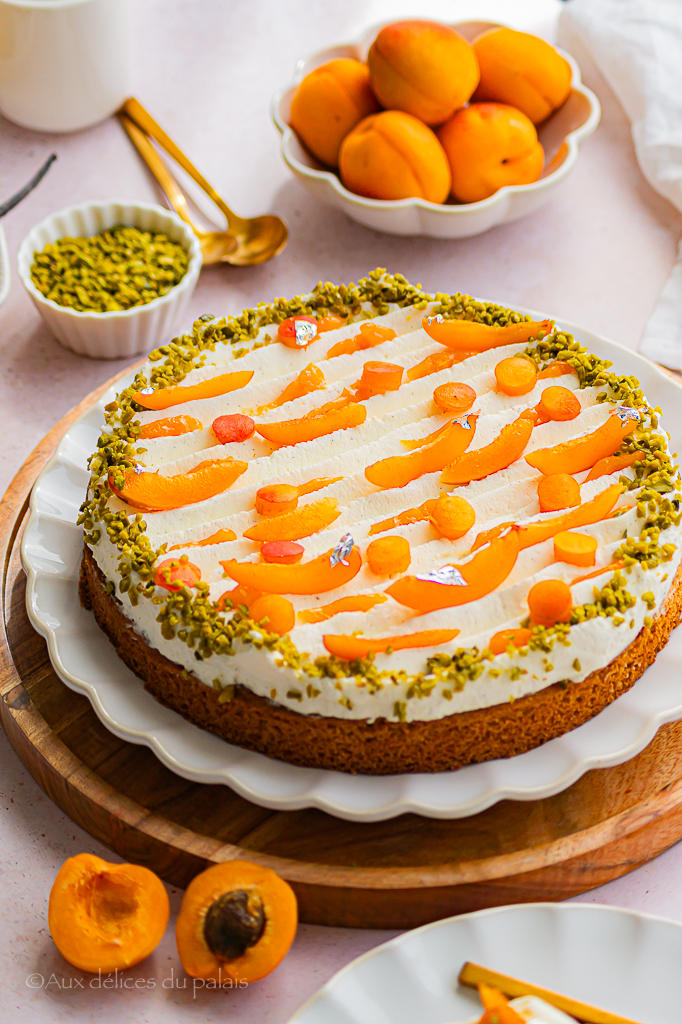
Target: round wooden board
[[392, 874]]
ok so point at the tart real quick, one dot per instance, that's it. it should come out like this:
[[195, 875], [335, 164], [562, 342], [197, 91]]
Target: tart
[[451, 548]]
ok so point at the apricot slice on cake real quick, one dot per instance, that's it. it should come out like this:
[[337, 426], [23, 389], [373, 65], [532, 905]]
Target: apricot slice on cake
[[164, 398], [370, 336], [471, 337], [171, 426], [516, 637], [298, 523], [454, 397], [557, 491], [452, 516], [315, 424], [315, 577], [558, 404], [155, 493], [575, 548], [237, 921], [361, 603], [309, 379], [460, 584], [219, 537], [274, 612], [507, 447], [233, 428], [348, 648], [387, 556], [613, 464], [516, 375], [557, 368], [175, 573], [406, 518], [106, 917], [550, 602], [583, 452], [590, 512], [434, 363], [282, 552], [377, 378], [400, 469]]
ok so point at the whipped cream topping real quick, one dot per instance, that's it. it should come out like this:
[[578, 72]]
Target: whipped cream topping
[[408, 414]]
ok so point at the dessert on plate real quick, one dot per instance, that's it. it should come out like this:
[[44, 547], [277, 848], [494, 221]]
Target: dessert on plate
[[372, 530]]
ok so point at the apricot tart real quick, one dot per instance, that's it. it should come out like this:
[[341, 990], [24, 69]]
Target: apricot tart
[[450, 548]]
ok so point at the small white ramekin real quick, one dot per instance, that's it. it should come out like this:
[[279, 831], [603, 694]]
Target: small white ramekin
[[116, 335], [561, 135]]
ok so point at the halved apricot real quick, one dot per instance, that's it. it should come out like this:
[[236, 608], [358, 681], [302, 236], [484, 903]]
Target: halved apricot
[[467, 335], [233, 428], [452, 516], [387, 556], [507, 447], [175, 573], [370, 336], [516, 375], [282, 552], [550, 602], [557, 491], [299, 523], [219, 537], [454, 397], [556, 368], [297, 331], [613, 464], [348, 648], [460, 584], [237, 921], [400, 469], [575, 548], [516, 637], [309, 379], [171, 426], [307, 428], [559, 403], [361, 603], [105, 917], [155, 493], [583, 452], [315, 577], [411, 515], [274, 612], [164, 398]]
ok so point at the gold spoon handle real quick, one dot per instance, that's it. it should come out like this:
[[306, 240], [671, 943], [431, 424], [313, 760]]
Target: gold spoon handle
[[156, 165], [474, 975], [136, 112]]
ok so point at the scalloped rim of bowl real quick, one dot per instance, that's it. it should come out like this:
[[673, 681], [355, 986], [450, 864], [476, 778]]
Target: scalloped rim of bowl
[[361, 45], [28, 249]]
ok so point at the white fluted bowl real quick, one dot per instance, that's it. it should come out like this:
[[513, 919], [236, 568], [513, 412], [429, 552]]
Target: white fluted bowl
[[561, 135], [123, 333]]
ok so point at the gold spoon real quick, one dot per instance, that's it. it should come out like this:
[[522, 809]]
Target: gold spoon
[[258, 238], [216, 246]]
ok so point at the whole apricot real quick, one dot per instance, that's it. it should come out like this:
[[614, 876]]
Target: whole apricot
[[328, 103], [392, 155], [422, 67], [522, 70], [490, 145]]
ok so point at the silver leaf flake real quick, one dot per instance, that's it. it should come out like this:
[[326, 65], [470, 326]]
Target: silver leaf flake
[[141, 469], [342, 550], [626, 413], [437, 319], [448, 575], [147, 391], [463, 422], [305, 332]]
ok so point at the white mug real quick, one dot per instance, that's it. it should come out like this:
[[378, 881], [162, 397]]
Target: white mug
[[64, 64]]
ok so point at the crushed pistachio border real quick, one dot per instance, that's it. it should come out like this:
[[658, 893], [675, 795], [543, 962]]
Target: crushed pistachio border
[[203, 625]]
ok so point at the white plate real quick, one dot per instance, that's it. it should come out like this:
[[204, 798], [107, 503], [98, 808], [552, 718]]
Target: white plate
[[85, 661], [561, 135], [4, 267], [617, 960]]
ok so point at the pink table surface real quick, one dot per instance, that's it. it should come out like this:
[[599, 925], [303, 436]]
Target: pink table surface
[[597, 255]]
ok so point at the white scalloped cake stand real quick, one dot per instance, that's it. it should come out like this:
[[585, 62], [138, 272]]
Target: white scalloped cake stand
[[84, 659]]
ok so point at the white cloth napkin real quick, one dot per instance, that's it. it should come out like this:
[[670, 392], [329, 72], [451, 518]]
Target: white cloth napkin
[[637, 46]]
